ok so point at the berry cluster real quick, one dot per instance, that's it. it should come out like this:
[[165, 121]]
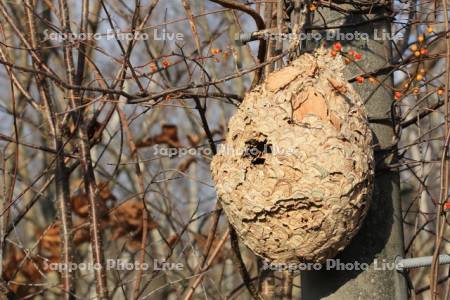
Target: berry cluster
[[418, 49], [337, 48], [165, 64], [349, 56], [215, 52]]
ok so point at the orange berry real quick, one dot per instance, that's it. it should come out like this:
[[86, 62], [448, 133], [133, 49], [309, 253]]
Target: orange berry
[[421, 38], [360, 79], [372, 80], [414, 47], [225, 54], [337, 46], [397, 95], [405, 85], [153, 68], [423, 71], [333, 53], [419, 77], [312, 7], [423, 51], [416, 90], [430, 29], [215, 51], [440, 91], [417, 53]]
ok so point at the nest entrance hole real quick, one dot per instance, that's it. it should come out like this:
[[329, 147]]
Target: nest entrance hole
[[256, 150]]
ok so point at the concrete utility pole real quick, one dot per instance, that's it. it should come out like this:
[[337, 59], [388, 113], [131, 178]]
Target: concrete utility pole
[[381, 236]]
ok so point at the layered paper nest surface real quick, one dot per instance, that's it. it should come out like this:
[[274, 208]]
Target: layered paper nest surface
[[295, 173]]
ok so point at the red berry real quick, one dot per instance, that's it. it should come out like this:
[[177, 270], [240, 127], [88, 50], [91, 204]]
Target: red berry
[[351, 52], [397, 95], [357, 56], [165, 63], [447, 206], [333, 53], [337, 46], [423, 51], [360, 79]]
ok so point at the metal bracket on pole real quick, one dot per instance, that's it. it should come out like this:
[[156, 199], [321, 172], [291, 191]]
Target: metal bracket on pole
[[419, 262]]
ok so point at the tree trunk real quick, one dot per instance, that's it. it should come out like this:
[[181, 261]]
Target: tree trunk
[[381, 236]]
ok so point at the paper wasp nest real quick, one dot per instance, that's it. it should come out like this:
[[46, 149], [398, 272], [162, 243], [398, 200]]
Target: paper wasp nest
[[295, 173]]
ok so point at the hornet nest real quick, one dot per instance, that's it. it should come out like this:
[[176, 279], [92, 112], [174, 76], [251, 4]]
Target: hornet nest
[[295, 173]]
